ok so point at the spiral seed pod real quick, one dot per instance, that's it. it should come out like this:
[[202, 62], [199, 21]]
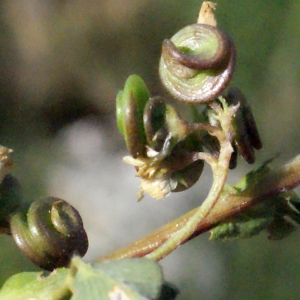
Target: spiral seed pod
[[49, 232], [197, 63], [246, 136], [171, 163], [154, 123], [190, 174], [163, 127], [130, 107]]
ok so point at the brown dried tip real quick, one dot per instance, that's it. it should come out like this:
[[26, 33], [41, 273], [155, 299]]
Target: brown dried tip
[[5, 161], [206, 14]]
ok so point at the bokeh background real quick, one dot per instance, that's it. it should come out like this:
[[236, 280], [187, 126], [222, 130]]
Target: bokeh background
[[61, 65]]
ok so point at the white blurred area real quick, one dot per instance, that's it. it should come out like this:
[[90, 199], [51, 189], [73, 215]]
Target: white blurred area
[[93, 178]]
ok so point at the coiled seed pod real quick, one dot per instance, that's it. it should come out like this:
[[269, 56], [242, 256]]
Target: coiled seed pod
[[197, 63], [130, 107], [154, 123], [171, 164], [49, 232], [246, 136], [189, 175]]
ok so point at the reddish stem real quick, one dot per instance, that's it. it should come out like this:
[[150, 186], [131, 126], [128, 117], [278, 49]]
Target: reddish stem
[[229, 204]]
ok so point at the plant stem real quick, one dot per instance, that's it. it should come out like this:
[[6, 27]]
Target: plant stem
[[230, 203], [220, 170]]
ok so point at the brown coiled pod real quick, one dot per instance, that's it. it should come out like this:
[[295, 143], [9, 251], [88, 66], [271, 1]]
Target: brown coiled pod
[[197, 63], [49, 232], [246, 136]]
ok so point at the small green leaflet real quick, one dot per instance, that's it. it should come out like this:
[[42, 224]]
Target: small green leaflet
[[126, 279], [277, 215], [239, 228], [33, 286]]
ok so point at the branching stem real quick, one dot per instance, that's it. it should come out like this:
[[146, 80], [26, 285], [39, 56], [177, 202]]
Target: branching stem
[[220, 171], [273, 183]]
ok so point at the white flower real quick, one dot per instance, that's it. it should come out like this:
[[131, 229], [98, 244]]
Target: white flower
[[156, 179]]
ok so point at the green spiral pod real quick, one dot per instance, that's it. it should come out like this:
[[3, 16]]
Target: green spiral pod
[[164, 128], [49, 232], [130, 107], [197, 63], [175, 140]]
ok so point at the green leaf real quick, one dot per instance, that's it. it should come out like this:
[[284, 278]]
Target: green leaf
[[143, 275], [255, 218], [128, 279], [34, 286], [252, 179], [247, 224], [240, 228]]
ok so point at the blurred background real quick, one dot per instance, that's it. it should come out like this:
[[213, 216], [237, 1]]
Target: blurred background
[[61, 65]]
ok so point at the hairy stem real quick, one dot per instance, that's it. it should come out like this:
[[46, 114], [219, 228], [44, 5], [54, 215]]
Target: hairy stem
[[220, 170], [273, 183]]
